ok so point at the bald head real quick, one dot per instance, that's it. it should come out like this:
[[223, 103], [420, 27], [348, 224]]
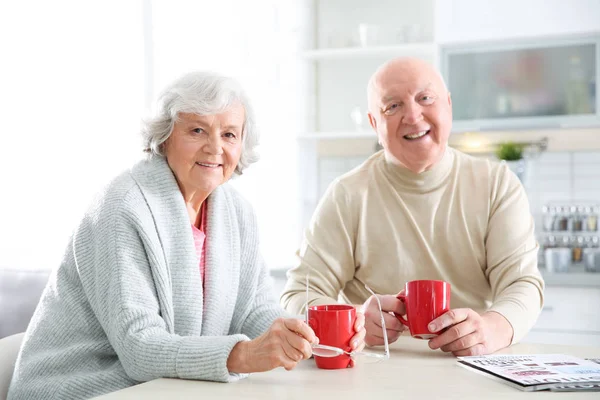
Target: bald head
[[411, 111], [402, 70]]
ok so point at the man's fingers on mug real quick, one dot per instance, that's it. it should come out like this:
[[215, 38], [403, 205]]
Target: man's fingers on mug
[[449, 318], [372, 340], [462, 343], [391, 322], [477, 350], [389, 303]]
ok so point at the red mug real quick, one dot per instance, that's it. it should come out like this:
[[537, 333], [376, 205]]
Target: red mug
[[425, 300], [334, 326]]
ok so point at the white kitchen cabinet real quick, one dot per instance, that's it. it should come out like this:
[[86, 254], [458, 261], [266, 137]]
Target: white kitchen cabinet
[[563, 338], [524, 83], [571, 315], [351, 38]]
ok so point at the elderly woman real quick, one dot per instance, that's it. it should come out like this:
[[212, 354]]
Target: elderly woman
[[163, 277]]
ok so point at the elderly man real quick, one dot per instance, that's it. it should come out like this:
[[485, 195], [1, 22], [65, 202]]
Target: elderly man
[[421, 210]]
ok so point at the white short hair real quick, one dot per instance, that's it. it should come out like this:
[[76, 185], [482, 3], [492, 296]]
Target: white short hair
[[201, 93]]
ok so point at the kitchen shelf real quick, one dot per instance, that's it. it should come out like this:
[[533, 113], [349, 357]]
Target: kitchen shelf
[[427, 49], [576, 277], [570, 233], [366, 134]]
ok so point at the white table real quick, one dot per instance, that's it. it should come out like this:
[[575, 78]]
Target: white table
[[412, 372]]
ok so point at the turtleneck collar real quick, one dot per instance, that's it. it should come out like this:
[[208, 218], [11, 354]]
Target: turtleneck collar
[[424, 181]]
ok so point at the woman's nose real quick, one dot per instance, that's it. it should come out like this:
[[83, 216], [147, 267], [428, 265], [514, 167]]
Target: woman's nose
[[213, 145]]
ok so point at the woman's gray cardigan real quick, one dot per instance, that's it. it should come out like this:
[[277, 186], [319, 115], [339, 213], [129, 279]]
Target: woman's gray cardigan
[[127, 303]]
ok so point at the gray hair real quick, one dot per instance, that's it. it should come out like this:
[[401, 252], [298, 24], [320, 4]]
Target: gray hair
[[201, 93]]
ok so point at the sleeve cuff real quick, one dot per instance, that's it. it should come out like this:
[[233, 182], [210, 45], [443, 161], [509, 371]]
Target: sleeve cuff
[[518, 318], [200, 360]]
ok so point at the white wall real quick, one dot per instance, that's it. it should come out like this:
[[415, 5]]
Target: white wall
[[71, 102], [467, 20], [257, 43]]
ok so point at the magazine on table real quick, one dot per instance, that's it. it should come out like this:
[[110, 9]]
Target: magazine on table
[[532, 372]]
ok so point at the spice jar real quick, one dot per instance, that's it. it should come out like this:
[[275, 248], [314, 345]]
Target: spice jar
[[575, 221], [561, 222], [592, 220], [549, 217], [577, 248]]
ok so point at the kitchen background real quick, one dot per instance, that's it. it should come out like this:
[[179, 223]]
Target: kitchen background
[[78, 76]]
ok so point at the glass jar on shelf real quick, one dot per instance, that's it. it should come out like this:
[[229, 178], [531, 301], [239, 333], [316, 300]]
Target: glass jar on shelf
[[549, 215], [591, 255], [591, 221], [576, 248], [561, 222], [575, 219]]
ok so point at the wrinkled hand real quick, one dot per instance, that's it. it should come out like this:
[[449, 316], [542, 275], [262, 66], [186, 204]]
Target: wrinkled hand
[[470, 334], [357, 343], [389, 305], [286, 343]]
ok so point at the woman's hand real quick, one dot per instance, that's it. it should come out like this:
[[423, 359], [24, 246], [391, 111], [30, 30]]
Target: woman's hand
[[285, 344], [357, 343]]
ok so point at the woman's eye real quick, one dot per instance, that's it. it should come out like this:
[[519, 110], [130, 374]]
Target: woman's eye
[[198, 130], [230, 135]]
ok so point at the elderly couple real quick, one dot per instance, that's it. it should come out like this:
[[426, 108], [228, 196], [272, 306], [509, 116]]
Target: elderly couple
[[163, 276]]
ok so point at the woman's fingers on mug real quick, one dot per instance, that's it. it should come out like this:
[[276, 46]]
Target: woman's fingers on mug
[[298, 326], [359, 324], [290, 353], [357, 343], [300, 345]]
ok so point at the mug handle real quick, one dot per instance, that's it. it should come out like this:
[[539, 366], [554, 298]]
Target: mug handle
[[402, 297]]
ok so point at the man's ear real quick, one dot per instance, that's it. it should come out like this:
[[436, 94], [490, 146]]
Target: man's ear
[[372, 121], [450, 99]]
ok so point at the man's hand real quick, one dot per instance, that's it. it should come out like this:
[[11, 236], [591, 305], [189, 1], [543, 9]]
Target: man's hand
[[389, 305], [469, 334]]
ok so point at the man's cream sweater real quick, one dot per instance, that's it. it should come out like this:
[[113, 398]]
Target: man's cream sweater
[[465, 221]]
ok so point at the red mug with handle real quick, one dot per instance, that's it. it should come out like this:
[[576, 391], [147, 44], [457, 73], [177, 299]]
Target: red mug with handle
[[334, 326], [425, 300]]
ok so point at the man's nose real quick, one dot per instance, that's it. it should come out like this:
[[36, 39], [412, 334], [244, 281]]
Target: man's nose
[[411, 114]]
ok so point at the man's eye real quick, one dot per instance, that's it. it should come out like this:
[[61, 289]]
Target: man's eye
[[391, 108], [427, 98]]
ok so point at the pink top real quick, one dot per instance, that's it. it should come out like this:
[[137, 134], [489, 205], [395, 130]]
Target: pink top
[[199, 239]]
